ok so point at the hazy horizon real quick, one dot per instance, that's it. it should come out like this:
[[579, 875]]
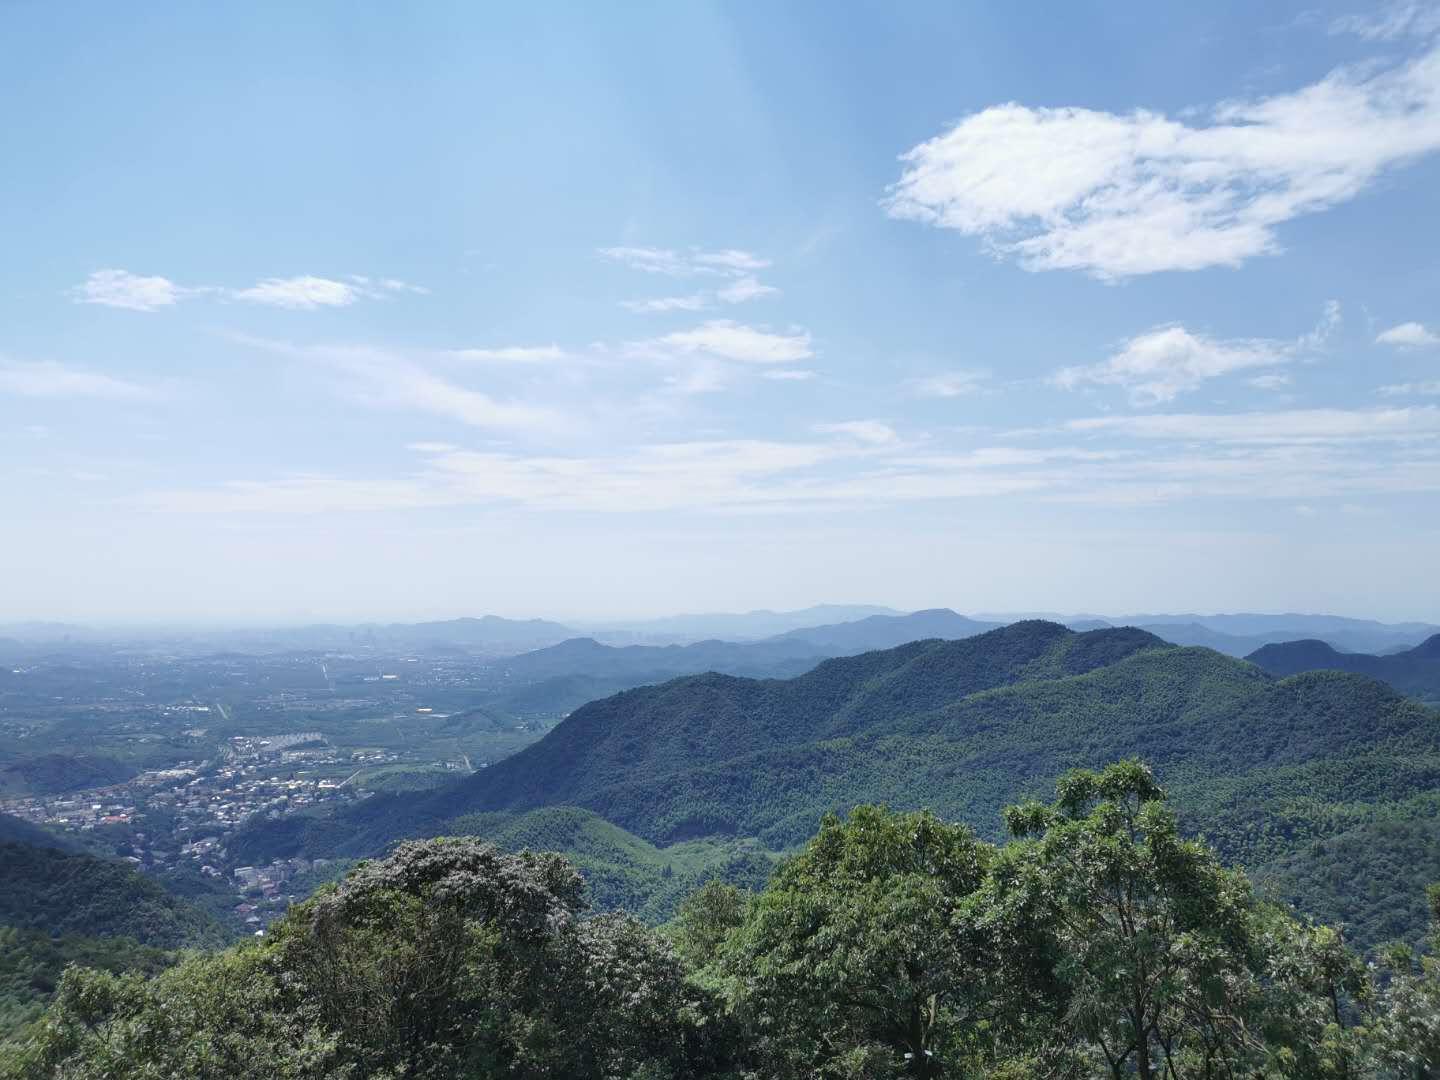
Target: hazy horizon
[[340, 314]]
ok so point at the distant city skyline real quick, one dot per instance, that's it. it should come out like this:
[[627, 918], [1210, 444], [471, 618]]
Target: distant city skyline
[[581, 313]]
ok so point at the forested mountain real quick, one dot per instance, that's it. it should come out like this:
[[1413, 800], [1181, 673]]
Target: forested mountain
[[1413, 671], [62, 892], [59, 907], [655, 663], [1271, 769], [565, 676]]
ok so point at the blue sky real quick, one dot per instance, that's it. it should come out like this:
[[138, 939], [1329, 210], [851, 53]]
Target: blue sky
[[357, 310]]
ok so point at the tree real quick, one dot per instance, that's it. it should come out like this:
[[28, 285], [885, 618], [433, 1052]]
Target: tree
[[1406, 1037], [858, 958], [213, 1017], [705, 919], [1151, 937]]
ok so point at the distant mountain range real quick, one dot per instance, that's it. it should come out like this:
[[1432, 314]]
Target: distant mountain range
[[1278, 773], [1414, 671], [564, 676], [491, 635], [1243, 633], [732, 626]]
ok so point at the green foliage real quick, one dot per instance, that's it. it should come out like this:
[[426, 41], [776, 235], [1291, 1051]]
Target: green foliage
[[32, 962], [1097, 943], [62, 893], [863, 944]]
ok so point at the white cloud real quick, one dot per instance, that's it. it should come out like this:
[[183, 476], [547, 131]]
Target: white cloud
[[1159, 365], [431, 447], [1294, 426], [729, 340], [122, 289], [1392, 22], [1430, 387], [1270, 382], [737, 292], [512, 354], [672, 263], [747, 288], [789, 374], [384, 379], [304, 293], [1410, 335], [46, 379], [731, 261], [873, 432], [694, 302], [1124, 194], [756, 475], [950, 384]]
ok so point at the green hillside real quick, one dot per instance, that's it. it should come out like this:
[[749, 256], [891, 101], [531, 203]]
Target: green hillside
[[62, 893], [1270, 770], [1413, 671]]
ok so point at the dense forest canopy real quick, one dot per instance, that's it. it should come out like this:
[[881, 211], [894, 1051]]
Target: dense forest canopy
[[1095, 942]]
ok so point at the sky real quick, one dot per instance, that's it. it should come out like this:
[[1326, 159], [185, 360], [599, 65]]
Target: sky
[[579, 310]]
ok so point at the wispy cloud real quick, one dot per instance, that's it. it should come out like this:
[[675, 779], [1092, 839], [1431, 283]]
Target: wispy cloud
[[512, 354], [950, 384], [46, 379], [873, 432], [1410, 335], [747, 288], [790, 374], [693, 302], [1391, 22], [384, 378], [305, 292], [725, 339], [1123, 194], [1161, 364], [1294, 426], [673, 263], [753, 475], [740, 266], [1428, 388]]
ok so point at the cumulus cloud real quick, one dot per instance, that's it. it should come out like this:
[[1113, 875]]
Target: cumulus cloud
[[46, 379], [1161, 364], [1410, 335], [1117, 195], [303, 293], [133, 292]]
